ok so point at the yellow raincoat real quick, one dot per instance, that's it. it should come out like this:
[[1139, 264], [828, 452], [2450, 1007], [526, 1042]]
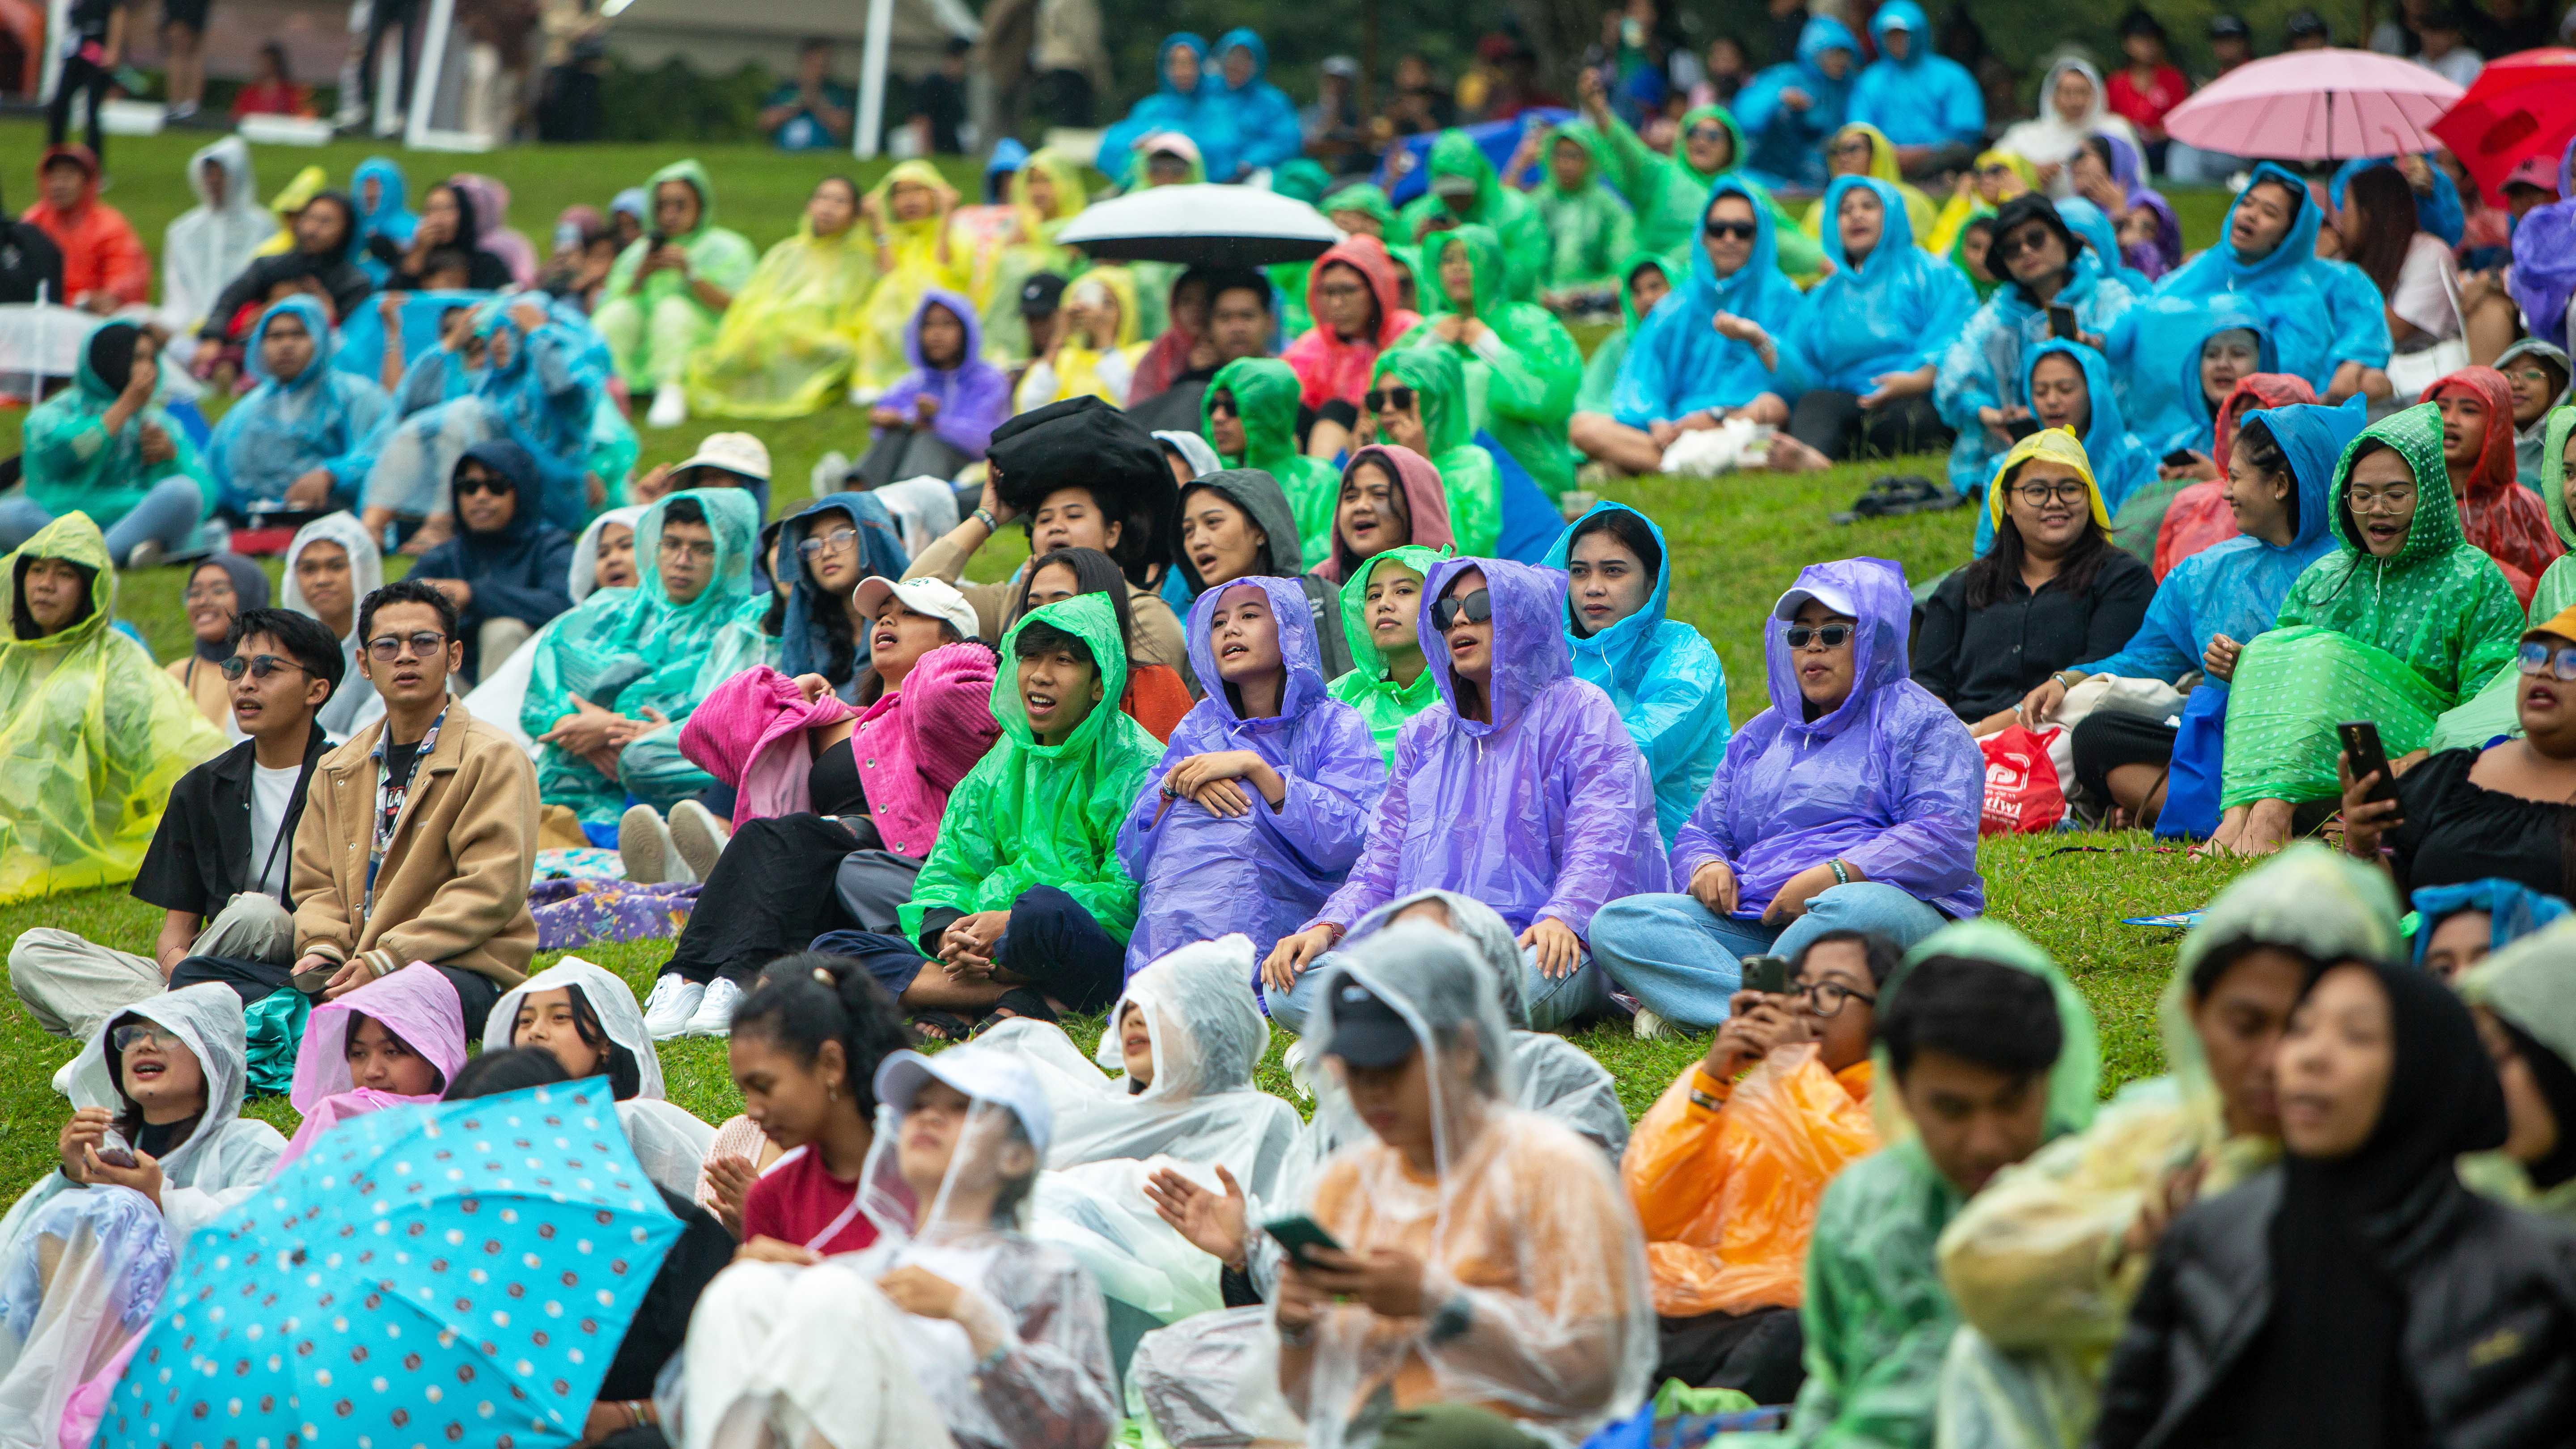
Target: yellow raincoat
[[1882, 167], [307, 184], [1000, 270], [922, 260], [1966, 201], [92, 733], [785, 346], [1075, 369]]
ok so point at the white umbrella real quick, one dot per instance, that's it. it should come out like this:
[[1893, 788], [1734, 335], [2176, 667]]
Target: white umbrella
[[1202, 225]]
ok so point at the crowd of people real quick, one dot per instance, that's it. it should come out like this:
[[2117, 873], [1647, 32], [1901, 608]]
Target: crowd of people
[[1327, 702]]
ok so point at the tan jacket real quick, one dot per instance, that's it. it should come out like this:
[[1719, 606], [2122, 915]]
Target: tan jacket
[[453, 889], [1158, 632]]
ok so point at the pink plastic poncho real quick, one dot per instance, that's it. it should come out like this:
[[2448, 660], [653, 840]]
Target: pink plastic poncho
[[1548, 812], [1890, 781], [1202, 875], [416, 1004], [1328, 367]]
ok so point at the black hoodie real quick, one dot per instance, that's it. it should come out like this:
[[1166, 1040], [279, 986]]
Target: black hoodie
[[340, 277]]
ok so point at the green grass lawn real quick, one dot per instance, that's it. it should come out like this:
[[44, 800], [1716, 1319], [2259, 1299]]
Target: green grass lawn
[[1736, 544]]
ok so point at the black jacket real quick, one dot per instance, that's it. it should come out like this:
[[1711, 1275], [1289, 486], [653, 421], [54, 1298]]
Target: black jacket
[[1982, 661], [200, 857], [28, 260], [2490, 1336]]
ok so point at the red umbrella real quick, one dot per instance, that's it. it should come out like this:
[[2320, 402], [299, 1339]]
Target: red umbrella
[[2520, 106]]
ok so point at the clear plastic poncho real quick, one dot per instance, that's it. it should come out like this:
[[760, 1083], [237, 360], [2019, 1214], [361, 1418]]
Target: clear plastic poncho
[[1677, 364], [209, 245], [76, 1289], [2320, 313], [320, 418], [1521, 381], [669, 1142], [72, 461], [92, 733]]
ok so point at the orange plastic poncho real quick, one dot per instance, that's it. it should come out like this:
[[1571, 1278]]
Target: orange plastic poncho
[[1726, 1179]]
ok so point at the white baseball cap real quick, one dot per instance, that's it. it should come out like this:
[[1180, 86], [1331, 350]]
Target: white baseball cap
[[734, 452], [987, 1074], [931, 598], [1796, 599]]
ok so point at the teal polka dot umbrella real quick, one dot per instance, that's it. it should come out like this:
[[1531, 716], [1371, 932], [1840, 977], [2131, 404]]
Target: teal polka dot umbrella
[[424, 1277]]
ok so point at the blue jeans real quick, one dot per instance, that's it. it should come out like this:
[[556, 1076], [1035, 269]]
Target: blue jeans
[[168, 515], [1682, 963], [1553, 1001]]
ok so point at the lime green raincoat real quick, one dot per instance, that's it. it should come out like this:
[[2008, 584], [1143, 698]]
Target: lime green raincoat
[[1589, 229], [2396, 640], [785, 346], [1368, 688], [999, 272], [92, 734], [2491, 711], [1601, 370], [1031, 814], [1497, 207], [2532, 985], [1520, 379], [1265, 396], [74, 462], [652, 327], [922, 260], [1469, 480], [1671, 197]]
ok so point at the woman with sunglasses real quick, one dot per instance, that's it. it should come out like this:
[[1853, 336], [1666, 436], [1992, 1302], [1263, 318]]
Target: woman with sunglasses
[[1417, 405]]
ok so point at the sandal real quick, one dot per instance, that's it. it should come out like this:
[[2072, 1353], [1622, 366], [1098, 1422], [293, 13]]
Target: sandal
[[1017, 1003], [945, 1027]]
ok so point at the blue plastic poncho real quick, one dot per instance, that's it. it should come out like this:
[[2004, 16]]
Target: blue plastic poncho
[[1677, 364], [803, 645], [388, 218], [2437, 211], [2094, 225], [1789, 146], [1926, 99], [2120, 462], [1893, 312], [2157, 347], [1202, 875], [319, 418], [1266, 129], [1889, 781], [542, 397], [1546, 813], [2516, 910], [1203, 115], [1665, 679], [1983, 367], [2321, 313]]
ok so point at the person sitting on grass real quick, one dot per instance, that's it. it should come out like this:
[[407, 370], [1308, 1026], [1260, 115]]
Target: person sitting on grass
[[670, 289], [939, 417], [395, 1041], [1390, 680], [221, 588], [103, 447], [1250, 415], [1870, 336], [1236, 524], [509, 571], [783, 349], [302, 441], [1519, 361], [330, 565], [587, 1017], [1644, 280]]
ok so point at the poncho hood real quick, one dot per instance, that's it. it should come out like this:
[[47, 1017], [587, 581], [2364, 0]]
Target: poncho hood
[[1455, 153], [688, 170], [1207, 1033], [1265, 399], [2494, 470], [1895, 243], [958, 307], [1436, 373], [2106, 433], [1299, 654], [1266, 504], [1092, 619], [1248, 40], [511, 464], [1425, 501], [803, 646], [207, 1019], [1902, 15], [1071, 196], [1361, 196], [1009, 154], [1197, 46], [2528, 984], [2514, 910], [241, 185], [1622, 650], [2297, 248], [2553, 470], [609, 998], [1529, 652], [74, 539], [1365, 658], [2170, 333], [1820, 34], [366, 568], [2313, 438], [585, 553], [317, 323], [1595, 147], [389, 217], [2074, 1083], [2253, 393], [913, 173], [1629, 316], [1735, 152], [1883, 606], [416, 1004], [2415, 435], [2057, 445], [1485, 266]]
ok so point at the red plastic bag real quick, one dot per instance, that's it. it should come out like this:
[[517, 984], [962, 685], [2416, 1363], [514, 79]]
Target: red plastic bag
[[2022, 790]]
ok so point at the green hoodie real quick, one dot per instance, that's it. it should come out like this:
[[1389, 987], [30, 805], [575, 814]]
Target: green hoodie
[[1601, 372], [1031, 814], [74, 462], [1505, 211], [1469, 481], [1589, 228], [1368, 688], [1521, 375], [1265, 396], [1670, 197]]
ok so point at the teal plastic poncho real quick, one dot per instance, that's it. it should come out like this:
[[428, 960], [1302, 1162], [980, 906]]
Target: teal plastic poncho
[[541, 390], [389, 218], [1926, 99], [1369, 688], [1665, 679], [74, 462], [1601, 369], [1983, 367], [2321, 313], [1496, 207], [1203, 115], [1678, 364], [2157, 348], [320, 418], [1266, 130], [1892, 312], [1589, 228], [632, 650], [1031, 814], [92, 733], [1521, 375]]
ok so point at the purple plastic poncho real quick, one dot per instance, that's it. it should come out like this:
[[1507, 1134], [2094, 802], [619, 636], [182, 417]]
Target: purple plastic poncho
[[1890, 782], [1546, 812], [1202, 875], [974, 396]]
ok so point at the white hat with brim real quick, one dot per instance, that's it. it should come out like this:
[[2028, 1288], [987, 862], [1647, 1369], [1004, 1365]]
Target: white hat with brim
[[986, 1074]]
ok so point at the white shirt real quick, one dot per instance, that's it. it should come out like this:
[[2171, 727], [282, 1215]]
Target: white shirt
[[2427, 291], [271, 792]]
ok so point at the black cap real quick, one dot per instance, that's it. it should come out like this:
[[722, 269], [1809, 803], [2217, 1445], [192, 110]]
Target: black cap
[[2306, 22], [1041, 294], [2229, 27], [1367, 1033]]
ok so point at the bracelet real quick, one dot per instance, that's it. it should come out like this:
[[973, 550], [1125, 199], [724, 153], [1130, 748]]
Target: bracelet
[[984, 516], [1842, 873], [636, 1417]]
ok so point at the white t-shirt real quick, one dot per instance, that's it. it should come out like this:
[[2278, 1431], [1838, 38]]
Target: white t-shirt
[[271, 792], [2426, 283]]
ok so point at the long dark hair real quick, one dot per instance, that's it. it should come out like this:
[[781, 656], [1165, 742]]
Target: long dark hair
[[2386, 207], [625, 1078], [801, 1001], [1629, 528], [358, 1019], [1094, 572], [1990, 579], [2263, 451], [129, 1121], [1263, 564]]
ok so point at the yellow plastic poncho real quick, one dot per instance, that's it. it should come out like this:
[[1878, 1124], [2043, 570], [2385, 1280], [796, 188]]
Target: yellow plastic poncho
[[308, 184], [92, 733], [1077, 369], [786, 345], [1966, 201], [922, 260], [1000, 270], [1882, 167]]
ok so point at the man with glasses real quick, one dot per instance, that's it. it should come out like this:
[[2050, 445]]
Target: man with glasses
[[507, 571], [223, 849]]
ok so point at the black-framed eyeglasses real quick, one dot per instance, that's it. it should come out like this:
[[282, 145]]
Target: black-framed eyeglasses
[[257, 666], [481, 483], [2535, 657], [1828, 636], [1397, 399], [1475, 608], [1740, 230], [839, 540], [1828, 998], [2039, 495], [133, 1034], [423, 642]]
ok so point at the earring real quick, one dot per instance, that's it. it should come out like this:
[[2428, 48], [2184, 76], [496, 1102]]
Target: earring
[[831, 1091]]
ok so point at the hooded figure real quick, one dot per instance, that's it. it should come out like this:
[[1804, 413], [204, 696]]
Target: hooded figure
[[2557, 591], [2524, 986], [1789, 142], [2051, 139], [2321, 314], [200, 670], [1200, 873], [1267, 133], [1892, 312], [2535, 352], [2121, 465], [92, 733], [521, 571], [633, 650], [321, 418], [654, 323], [1662, 675], [102, 257], [805, 642], [1259, 498], [1883, 166], [486, 202], [2199, 516], [78, 1287], [1205, 115], [1386, 703], [670, 1143], [1265, 393], [2397, 640], [1457, 165], [1470, 485], [2158, 347], [784, 348], [1547, 812], [539, 389], [1002, 269], [1679, 365], [1522, 366], [388, 218], [210, 243], [2506, 520], [2094, 225], [355, 704], [971, 395], [282, 259], [417, 1006], [1923, 99], [1601, 369], [73, 461], [1333, 368], [1589, 228], [922, 260], [1670, 194]]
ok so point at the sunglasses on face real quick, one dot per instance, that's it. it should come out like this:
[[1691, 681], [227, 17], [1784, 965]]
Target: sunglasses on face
[[2535, 657], [132, 1035], [1739, 230], [1475, 608], [1396, 399], [259, 666], [1223, 404], [839, 540], [2014, 245], [468, 487], [424, 643], [1827, 636]]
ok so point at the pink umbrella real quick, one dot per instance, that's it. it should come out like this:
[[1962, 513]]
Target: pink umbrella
[[2316, 105]]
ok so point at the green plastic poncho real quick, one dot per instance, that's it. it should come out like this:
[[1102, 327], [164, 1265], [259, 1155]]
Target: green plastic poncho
[[785, 346], [1000, 272], [1469, 480], [1265, 396], [2396, 640], [1521, 375], [1601, 371], [2034, 1263], [1031, 814], [1304, 180], [1496, 207], [92, 733], [630, 650], [651, 327], [1877, 1319], [1670, 195], [1368, 688], [2491, 711], [74, 463], [1589, 229], [922, 260], [2530, 985]]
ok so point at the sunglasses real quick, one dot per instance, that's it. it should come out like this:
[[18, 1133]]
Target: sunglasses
[[839, 540], [1475, 608], [1740, 230], [2535, 657], [2030, 239], [1223, 403], [132, 1035], [1396, 399], [424, 643], [259, 666], [468, 487], [1829, 636]]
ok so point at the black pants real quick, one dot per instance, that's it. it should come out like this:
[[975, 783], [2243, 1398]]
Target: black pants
[[1756, 1353], [769, 895], [78, 76], [2107, 739], [1051, 941], [476, 993], [1836, 425], [908, 453], [385, 16]]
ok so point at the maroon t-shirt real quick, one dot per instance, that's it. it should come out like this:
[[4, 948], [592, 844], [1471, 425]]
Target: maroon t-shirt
[[797, 1201]]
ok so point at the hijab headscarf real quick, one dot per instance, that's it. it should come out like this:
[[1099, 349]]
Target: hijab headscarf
[[250, 591], [2049, 137]]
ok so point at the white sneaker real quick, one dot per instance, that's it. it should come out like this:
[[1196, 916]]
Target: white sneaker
[[1293, 1062], [714, 1016], [699, 836], [1647, 1026], [670, 408], [63, 1077], [145, 555], [668, 1010], [644, 845]]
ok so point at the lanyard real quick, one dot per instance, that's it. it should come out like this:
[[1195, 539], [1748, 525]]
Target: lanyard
[[391, 797]]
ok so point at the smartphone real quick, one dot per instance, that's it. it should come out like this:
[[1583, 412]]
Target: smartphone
[[2361, 745], [1767, 974], [2021, 428], [1300, 1235], [2061, 324], [2180, 458], [114, 1150]]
